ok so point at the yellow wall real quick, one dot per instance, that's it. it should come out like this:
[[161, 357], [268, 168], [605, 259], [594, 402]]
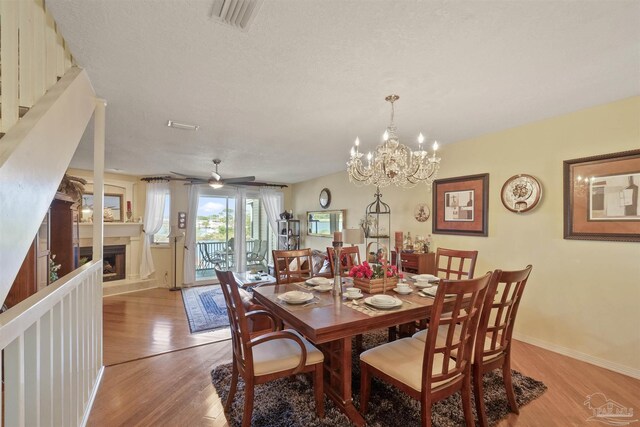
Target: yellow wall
[[582, 298]]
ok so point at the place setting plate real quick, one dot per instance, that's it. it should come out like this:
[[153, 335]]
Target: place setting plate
[[296, 297], [323, 288], [405, 291], [383, 302], [316, 281]]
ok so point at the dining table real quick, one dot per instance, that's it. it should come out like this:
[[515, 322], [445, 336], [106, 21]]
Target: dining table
[[331, 321]]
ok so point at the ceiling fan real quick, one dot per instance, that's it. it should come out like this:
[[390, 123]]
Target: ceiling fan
[[216, 180]]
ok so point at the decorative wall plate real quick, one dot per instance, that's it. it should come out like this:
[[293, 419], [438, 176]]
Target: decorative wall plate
[[521, 193], [422, 212]]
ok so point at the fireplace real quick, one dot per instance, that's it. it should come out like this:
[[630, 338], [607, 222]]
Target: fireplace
[[113, 261]]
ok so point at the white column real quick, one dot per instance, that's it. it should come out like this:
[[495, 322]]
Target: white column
[[98, 177]]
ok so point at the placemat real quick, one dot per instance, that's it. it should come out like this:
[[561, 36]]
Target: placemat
[[373, 312]]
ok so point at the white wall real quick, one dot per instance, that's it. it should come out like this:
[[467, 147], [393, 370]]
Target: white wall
[[582, 297]]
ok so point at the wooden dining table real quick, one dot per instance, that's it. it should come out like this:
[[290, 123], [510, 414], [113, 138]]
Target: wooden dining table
[[331, 322]]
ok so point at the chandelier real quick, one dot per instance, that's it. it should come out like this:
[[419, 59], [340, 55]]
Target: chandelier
[[393, 162]]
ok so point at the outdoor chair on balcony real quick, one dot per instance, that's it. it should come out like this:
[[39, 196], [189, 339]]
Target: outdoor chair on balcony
[[211, 260], [258, 256]]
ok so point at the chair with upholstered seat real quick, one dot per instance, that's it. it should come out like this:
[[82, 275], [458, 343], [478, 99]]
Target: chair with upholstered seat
[[425, 370], [450, 264], [266, 357], [349, 256], [455, 264], [492, 348], [292, 266]]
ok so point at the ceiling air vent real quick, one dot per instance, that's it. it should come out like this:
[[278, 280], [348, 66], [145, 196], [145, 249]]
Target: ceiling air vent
[[237, 13]]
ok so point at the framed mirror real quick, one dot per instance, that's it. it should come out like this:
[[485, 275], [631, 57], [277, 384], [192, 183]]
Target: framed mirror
[[325, 198], [324, 223], [112, 208]]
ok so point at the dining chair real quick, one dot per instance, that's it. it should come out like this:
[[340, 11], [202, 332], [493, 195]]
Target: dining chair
[[349, 256], [425, 370], [450, 264], [266, 357], [292, 266], [492, 348], [454, 264]]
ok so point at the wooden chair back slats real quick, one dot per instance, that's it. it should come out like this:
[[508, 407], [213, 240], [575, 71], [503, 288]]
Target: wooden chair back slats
[[499, 313], [292, 266], [453, 264], [238, 322], [349, 256], [464, 299]]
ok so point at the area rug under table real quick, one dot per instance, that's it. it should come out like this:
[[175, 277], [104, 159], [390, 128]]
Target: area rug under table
[[205, 308], [287, 403]]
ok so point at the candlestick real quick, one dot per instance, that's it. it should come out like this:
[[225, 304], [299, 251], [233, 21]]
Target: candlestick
[[337, 277]]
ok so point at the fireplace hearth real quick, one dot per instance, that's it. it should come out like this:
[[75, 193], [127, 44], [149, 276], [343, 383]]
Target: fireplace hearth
[[113, 261]]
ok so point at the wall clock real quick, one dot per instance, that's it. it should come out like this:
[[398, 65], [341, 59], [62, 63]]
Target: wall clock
[[422, 212], [325, 198], [521, 193]]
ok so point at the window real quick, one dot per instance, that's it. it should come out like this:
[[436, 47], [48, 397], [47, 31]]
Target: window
[[162, 236]]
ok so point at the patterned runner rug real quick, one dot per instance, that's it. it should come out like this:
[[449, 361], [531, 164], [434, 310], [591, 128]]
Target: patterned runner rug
[[205, 308]]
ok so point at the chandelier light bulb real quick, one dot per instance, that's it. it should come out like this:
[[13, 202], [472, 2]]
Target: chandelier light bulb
[[385, 136], [420, 139], [353, 152], [357, 141], [369, 156], [435, 146]]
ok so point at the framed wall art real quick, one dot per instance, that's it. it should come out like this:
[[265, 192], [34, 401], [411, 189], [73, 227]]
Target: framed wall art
[[601, 197], [461, 205]]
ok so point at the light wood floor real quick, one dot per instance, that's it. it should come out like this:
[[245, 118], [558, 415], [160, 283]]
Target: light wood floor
[[174, 389]]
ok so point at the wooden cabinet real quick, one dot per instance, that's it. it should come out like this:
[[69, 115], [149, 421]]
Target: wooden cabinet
[[57, 235], [417, 263], [64, 234]]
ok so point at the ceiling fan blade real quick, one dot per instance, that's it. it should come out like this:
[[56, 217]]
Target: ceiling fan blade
[[190, 177], [239, 179]]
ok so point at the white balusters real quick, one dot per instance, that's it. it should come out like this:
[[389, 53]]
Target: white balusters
[[52, 345]]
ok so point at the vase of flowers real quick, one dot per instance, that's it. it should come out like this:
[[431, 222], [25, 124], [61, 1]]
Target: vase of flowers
[[374, 278]]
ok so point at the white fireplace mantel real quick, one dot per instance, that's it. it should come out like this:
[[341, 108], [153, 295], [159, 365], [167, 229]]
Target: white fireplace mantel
[[112, 229]]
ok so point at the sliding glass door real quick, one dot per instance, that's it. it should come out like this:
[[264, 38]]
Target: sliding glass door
[[216, 233]]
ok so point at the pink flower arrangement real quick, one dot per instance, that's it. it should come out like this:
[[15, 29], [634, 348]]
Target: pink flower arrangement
[[375, 271]]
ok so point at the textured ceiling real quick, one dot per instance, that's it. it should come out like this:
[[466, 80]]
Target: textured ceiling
[[285, 100]]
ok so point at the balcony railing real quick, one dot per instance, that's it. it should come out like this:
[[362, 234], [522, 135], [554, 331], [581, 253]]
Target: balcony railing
[[215, 254]]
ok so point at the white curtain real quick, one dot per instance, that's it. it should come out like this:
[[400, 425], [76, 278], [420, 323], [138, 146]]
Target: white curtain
[[153, 213], [273, 206], [188, 268], [240, 241]]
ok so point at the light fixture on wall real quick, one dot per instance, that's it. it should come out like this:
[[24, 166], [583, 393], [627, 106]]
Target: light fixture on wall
[[393, 163], [182, 126]]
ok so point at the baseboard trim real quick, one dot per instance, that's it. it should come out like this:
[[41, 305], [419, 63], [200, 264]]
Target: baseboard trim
[[92, 397], [612, 366]]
